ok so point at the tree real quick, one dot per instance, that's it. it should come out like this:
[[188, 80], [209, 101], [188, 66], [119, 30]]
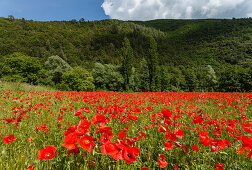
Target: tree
[[178, 81], [245, 79], [82, 20], [229, 81], [99, 74], [11, 18], [56, 67], [165, 79], [143, 76], [107, 77], [152, 60], [210, 78], [157, 80], [133, 81], [191, 79], [127, 54], [20, 67], [77, 79]]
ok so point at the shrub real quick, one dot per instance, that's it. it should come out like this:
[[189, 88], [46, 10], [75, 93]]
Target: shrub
[[77, 79]]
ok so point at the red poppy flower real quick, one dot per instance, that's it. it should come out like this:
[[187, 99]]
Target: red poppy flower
[[105, 138], [217, 133], [175, 167], [162, 161], [60, 118], [9, 139], [104, 129], [126, 129], [219, 166], [134, 118], [30, 139], [166, 114], [168, 146], [84, 124], [250, 154], [70, 141], [206, 141], [241, 151], [122, 135], [246, 143], [71, 129], [144, 168], [81, 117], [76, 151], [170, 136], [214, 148], [129, 154], [163, 129], [86, 142], [118, 155], [47, 153], [109, 148], [30, 168], [195, 147], [77, 113], [179, 133], [184, 149], [98, 119]]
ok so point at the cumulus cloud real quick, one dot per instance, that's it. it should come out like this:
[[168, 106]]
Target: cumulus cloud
[[164, 9]]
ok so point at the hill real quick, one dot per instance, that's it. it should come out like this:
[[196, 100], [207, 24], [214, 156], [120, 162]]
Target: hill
[[181, 44]]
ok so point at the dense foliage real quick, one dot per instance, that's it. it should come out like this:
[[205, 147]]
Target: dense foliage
[[158, 55], [77, 79]]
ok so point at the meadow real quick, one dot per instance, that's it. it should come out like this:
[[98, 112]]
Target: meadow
[[44, 129]]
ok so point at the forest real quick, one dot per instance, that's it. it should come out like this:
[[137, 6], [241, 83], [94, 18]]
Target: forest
[[130, 56]]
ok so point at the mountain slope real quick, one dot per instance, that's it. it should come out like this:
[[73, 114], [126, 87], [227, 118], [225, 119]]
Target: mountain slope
[[180, 42]]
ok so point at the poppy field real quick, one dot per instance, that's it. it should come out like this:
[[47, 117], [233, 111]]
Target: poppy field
[[105, 130]]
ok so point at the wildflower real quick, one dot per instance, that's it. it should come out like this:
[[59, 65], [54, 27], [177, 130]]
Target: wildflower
[[47, 153], [168, 146], [195, 147], [162, 161], [9, 139], [30, 168], [86, 142]]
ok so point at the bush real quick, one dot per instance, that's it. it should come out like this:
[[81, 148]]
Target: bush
[[77, 79], [20, 67], [56, 67]]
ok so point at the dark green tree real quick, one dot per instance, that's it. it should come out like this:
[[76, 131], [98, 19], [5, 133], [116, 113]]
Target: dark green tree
[[152, 60], [178, 81], [143, 76], [127, 55], [245, 79], [229, 80], [107, 77], [165, 79]]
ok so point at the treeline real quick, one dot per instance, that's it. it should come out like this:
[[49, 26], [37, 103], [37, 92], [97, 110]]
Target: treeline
[[112, 55], [57, 73]]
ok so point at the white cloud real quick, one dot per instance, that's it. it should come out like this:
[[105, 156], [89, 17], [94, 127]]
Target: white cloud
[[161, 9]]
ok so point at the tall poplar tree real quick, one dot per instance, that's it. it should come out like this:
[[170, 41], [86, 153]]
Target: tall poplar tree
[[152, 59], [127, 54]]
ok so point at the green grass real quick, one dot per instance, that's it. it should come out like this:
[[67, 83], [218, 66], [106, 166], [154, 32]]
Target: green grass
[[23, 86]]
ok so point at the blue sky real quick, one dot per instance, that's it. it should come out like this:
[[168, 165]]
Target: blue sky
[[47, 10]]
